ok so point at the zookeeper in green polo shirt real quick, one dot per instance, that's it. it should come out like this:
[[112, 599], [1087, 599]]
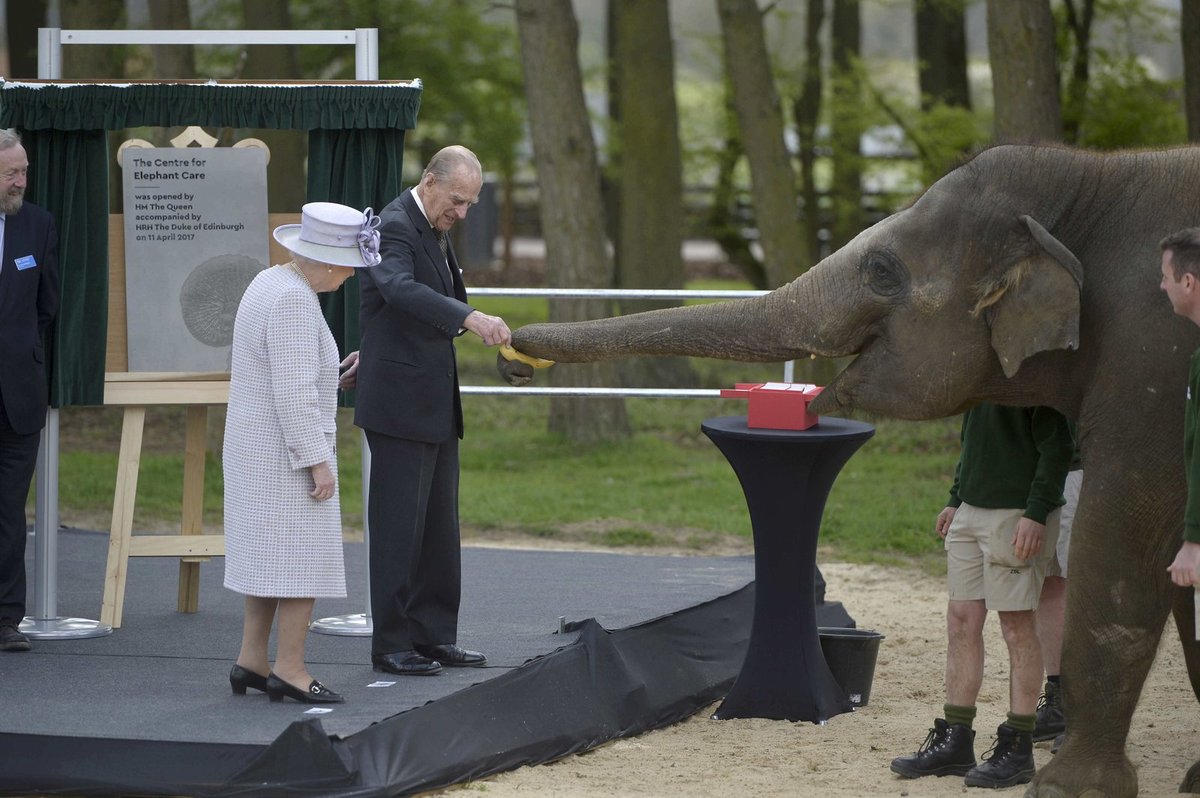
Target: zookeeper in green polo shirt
[[1000, 528], [1181, 283]]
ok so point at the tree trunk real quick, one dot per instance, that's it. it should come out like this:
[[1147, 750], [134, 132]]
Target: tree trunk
[[24, 17], [1021, 49], [649, 250], [773, 182], [724, 222], [1079, 23], [610, 174], [942, 53], [808, 115], [93, 62], [571, 210], [1190, 36], [175, 61], [846, 126], [286, 180]]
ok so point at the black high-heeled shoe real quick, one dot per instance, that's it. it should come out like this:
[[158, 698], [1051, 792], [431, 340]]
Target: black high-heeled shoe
[[240, 679], [317, 693]]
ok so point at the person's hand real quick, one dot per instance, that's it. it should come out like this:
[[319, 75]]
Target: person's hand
[[323, 482], [1183, 568], [348, 374], [491, 329], [943, 521], [1028, 539]]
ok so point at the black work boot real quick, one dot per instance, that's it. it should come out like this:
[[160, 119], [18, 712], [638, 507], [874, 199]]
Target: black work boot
[[1009, 762], [1050, 718], [949, 750]]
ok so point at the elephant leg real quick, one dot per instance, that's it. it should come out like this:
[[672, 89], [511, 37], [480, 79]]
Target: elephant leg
[[1191, 780], [1118, 597], [1184, 609]]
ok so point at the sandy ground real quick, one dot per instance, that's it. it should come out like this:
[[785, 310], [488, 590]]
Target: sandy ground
[[850, 755]]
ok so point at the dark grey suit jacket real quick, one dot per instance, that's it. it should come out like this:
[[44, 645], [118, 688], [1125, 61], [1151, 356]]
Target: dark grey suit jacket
[[412, 308], [28, 304]]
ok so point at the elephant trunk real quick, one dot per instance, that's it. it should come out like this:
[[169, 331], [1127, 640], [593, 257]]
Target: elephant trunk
[[769, 328]]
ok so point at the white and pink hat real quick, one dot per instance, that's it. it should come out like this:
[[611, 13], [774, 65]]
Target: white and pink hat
[[334, 234]]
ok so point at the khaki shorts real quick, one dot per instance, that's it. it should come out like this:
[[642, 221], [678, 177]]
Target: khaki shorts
[[1058, 563], [980, 563]]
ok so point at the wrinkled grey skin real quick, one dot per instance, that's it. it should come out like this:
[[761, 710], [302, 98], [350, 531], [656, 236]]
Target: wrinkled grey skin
[[1062, 247]]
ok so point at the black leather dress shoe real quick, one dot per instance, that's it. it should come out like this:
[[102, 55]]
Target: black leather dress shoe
[[405, 663], [317, 693], [240, 678], [11, 639], [452, 656]]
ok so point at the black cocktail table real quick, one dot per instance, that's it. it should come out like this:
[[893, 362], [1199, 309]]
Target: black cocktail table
[[786, 476]]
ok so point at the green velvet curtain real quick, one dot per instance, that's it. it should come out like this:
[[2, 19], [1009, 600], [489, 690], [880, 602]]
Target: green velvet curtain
[[356, 145], [360, 168], [68, 176]]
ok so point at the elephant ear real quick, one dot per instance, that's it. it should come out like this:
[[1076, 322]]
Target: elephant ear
[[1033, 306]]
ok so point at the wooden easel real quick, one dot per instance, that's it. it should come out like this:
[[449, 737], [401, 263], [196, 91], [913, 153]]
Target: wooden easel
[[135, 391]]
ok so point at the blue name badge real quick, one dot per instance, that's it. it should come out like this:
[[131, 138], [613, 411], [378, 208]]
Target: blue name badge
[[26, 262]]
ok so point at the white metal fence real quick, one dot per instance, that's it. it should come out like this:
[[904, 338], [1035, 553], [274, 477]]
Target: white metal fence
[[612, 293]]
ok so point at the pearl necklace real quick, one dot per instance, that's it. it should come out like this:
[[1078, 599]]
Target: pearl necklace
[[303, 276]]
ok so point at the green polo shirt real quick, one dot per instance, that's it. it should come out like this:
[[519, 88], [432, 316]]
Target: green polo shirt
[[1013, 457], [1191, 462]]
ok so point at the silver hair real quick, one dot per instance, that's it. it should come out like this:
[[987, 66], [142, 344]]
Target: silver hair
[[449, 159], [9, 138]]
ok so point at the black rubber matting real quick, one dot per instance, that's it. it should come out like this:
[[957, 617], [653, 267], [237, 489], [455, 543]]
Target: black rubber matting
[[148, 709]]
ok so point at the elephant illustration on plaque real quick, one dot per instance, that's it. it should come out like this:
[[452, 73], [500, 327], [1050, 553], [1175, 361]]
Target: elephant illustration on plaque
[[210, 296]]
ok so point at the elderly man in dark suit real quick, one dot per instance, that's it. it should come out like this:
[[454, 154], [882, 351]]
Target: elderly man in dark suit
[[413, 306], [28, 304]]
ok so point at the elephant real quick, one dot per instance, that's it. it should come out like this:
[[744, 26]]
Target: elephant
[[1028, 275]]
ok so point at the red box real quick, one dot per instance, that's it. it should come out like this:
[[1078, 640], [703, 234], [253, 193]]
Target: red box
[[776, 405]]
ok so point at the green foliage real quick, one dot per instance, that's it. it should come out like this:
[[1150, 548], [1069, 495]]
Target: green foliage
[[939, 138], [464, 52], [701, 108], [947, 133], [1126, 107], [1122, 105]]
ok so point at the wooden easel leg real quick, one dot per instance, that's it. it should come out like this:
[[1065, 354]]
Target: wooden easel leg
[[193, 505], [128, 462]]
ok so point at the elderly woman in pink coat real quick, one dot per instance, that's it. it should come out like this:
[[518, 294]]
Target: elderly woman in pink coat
[[283, 528]]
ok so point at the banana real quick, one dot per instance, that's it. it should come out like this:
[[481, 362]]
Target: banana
[[537, 362]]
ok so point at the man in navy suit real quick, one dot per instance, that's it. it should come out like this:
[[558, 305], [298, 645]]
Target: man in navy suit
[[28, 304], [413, 306]]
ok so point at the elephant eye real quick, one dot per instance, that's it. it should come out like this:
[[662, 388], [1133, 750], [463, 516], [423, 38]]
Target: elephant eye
[[884, 274]]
